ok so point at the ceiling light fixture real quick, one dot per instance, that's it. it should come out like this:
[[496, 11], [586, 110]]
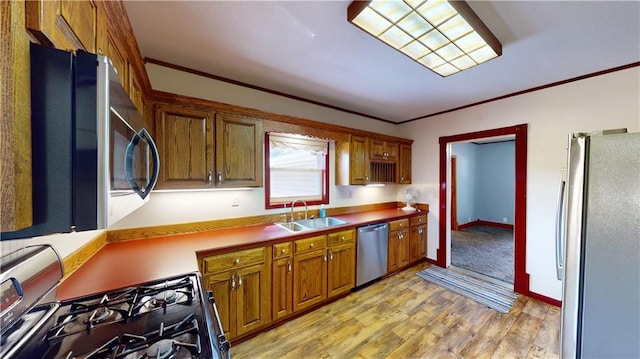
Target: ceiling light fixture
[[446, 37]]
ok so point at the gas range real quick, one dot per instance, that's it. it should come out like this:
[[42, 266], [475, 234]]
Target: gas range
[[172, 318]]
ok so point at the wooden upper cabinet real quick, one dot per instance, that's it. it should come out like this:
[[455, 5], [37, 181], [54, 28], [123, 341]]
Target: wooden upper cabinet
[[352, 161], [65, 24], [383, 151], [184, 137], [238, 151], [404, 164], [135, 89], [15, 121]]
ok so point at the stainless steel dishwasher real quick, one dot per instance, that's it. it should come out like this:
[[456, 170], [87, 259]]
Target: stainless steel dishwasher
[[372, 252]]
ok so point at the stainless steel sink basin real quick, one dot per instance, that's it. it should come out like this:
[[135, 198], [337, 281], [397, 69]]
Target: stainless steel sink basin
[[292, 226], [317, 223], [310, 224]]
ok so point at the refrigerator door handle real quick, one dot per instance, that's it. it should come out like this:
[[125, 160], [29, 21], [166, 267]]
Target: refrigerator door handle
[[560, 225]]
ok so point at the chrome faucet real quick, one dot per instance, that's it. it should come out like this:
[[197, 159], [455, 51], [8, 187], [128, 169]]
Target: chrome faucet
[[306, 209]]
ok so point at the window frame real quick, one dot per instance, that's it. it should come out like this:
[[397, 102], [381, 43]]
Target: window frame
[[267, 179]]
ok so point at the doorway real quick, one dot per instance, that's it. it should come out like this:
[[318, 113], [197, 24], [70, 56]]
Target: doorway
[[482, 208], [521, 278]]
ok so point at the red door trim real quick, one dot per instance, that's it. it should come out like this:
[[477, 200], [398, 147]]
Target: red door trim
[[521, 277]]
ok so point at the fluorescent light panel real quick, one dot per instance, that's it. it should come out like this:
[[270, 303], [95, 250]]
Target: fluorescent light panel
[[446, 37]]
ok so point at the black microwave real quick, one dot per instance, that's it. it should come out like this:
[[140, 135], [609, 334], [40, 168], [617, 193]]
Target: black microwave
[[93, 161]]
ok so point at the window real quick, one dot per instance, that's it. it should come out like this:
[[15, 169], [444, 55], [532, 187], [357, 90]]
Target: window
[[297, 167]]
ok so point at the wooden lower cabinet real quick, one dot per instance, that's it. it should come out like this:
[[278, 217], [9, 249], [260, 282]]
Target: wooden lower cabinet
[[243, 295], [282, 288], [309, 279], [418, 238], [398, 246], [341, 269]]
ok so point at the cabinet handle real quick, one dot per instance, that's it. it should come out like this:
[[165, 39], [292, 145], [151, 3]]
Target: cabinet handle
[[209, 177], [239, 280], [233, 281], [324, 257], [330, 255], [219, 177], [236, 261], [311, 245], [289, 266], [366, 177]]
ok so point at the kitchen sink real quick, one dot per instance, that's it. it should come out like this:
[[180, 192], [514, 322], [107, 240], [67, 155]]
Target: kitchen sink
[[311, 224], [292, 226], [317, 223]]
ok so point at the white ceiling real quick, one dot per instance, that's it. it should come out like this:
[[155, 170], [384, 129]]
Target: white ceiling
[[308, 49]]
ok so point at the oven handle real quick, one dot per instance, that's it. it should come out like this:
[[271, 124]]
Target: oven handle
[[222, 340]]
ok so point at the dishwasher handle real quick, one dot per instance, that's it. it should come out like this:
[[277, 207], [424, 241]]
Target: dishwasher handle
[[373, 227]]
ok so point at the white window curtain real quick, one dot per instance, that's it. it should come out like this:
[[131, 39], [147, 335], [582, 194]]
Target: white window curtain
[[297, 168]]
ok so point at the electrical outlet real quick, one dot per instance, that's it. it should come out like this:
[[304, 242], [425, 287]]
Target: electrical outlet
[[236, 201]]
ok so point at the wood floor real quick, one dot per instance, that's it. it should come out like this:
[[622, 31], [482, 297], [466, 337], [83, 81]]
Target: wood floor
[[407, 317]]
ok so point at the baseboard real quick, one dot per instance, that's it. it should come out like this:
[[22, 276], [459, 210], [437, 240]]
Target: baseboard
[[545, 299], [479, 222]]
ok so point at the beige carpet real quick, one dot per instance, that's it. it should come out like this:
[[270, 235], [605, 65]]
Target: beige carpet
[[484, 249]]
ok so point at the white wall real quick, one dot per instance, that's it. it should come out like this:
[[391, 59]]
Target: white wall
[[465, 181], [485, 181], [608, 101], [496, 184]]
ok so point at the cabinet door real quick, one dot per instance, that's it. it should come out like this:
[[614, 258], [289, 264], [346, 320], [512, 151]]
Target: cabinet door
[[341, 269], [223, 286], [282, 288], [238, 151], [404, 172], [64, 24], [78, 22], [383, 150], [417, 244], [392, 251], [359, 160], [185, 141], [253, 298], [309, 279], [403, 248]]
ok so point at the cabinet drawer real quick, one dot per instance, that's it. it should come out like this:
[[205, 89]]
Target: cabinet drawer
[[342, 237], [281, 250], [309, 244], [399, 224], [418, 220], [227, 261]]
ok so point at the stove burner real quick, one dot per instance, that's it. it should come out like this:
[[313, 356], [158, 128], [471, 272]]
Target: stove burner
[[100, 315], [162, 349], [167, 296]]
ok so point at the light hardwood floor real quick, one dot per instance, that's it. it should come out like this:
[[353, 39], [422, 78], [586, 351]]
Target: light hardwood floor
[[407, 317]]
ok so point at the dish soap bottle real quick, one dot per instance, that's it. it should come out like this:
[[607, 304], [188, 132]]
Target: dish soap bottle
[[323, 212]]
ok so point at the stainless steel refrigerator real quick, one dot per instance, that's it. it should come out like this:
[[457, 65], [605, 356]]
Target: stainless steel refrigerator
[[598, 246]]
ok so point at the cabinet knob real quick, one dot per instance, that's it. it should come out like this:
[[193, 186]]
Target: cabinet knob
[[342, 238], [289, 266], [311, 245], [283, 251], [236, 261]]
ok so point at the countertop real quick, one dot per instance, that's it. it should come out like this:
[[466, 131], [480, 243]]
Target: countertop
[[127, 263]]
